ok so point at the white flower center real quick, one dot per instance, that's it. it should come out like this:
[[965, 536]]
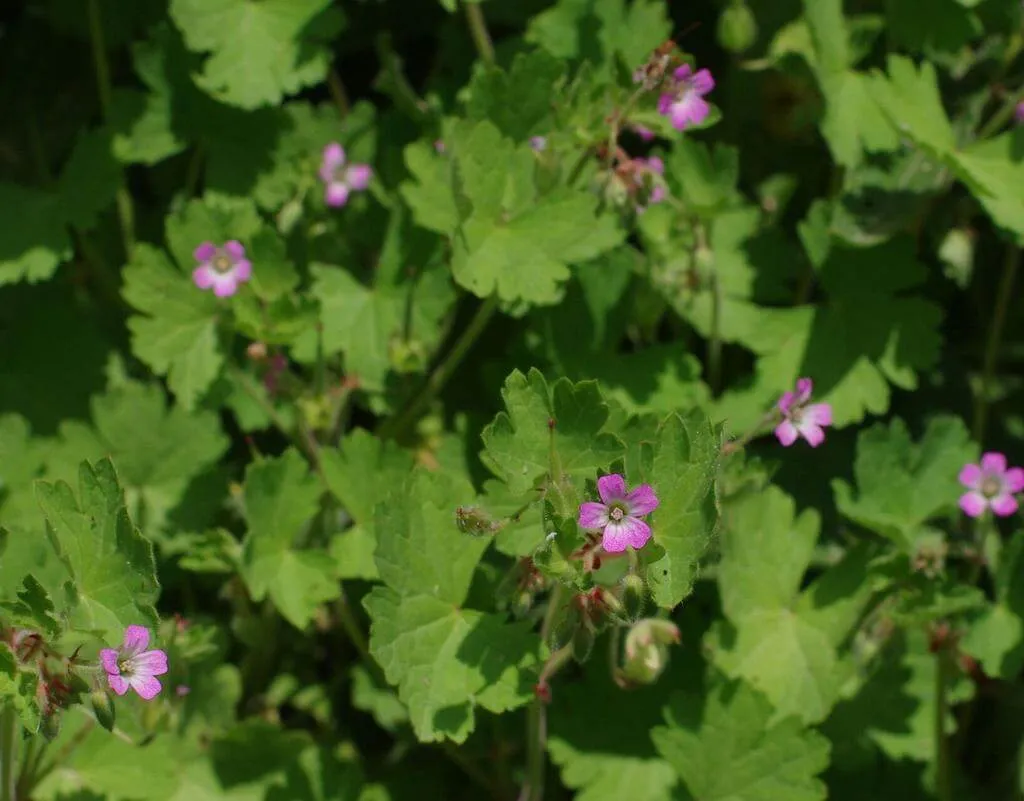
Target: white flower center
[[617, 513], [221, 263], [991, 486]]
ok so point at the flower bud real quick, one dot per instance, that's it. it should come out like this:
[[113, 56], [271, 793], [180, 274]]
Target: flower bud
[[473, 520], [103, 706], [521, 604], [737, 28], [647, 649], [49, 726], [634, 596]]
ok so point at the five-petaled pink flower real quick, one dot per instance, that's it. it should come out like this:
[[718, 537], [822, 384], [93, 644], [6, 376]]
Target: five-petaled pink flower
[[684, 101], [133, 666], [341, 178], [990, 485], [800, 419], [619, 513], [222, 268]]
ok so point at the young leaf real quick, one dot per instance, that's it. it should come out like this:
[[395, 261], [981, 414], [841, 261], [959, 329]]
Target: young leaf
[[901, 484], [110, 566], [259, 50], [726, 747], [518, 102], [281, 495], [685, 462], [566, 419]]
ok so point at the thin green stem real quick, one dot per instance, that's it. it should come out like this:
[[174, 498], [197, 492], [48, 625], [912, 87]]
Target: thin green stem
[[338, 93], [8, 753], [104, 88], [194, 170], [943, 752], [343, 611], [439, 376], [995, 336], [478, 30], [1002, 116]]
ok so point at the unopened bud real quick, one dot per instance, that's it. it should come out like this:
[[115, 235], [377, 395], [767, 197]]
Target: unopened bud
[[634, 596], [737, 27], [582, 643], [103, 706], [522, 604], [647, 649], [49, 726], [257, 351]]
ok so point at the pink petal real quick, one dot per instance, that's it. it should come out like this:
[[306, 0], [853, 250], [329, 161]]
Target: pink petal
[[204, 252], [146, 686], [1014, 479], [971, 476], [235, 249], [119, 684], [683, 73], [615, 538], [642, 500], [1003, 505], [611, 488], [225, 285], [136, 639], [702, 82], [690, 109], [645, 133], [814, 434], [637, 532], [593, 516], [819, 414], [243, 270], [358, 176], [336, 194], [786, 402], [108, 658], [993, 463], [665, 102], [334, 156], [973, 504], [204, 276], [150, 663], [657, 195], [655, 164], [786, 433], [804, 388]]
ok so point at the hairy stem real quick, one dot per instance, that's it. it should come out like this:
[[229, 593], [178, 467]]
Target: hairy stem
[[8, 753], [125, 210], [943, 752], [478, 30], [995, 336], [439, 376]]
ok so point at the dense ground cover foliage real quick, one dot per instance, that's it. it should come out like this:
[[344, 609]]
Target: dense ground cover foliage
[[601, 399]]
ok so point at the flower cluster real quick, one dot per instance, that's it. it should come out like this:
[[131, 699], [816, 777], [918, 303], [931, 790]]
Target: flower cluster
[[341, 178], [800, 418], [222, 269], [991, 485], [618, 514]]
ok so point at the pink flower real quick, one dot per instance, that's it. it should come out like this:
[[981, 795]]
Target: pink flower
[[684, 103], [619, 513], [222, 268], [645, 133], [133, 666], [990, 486], [340, 178], [801, 420], [538, 143]]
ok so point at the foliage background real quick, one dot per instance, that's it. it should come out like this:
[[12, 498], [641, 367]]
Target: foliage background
[[851, 211]]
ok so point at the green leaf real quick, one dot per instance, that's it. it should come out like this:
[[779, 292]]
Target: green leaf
[[726, 747], [159, 451], [32, 249], [383, 704], [176, 334], [446, 660], [109, 563], [704, 176], [429, 194], [259, 50], [683, 474], [511, 240], [910, 99], [996, 636], [90, 179], [33, 609], [361, 471], [18, 688], [281, 495], [931, 27], [518, 101], [900, 484], [992, 169], [363, 322], [566, 418]]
